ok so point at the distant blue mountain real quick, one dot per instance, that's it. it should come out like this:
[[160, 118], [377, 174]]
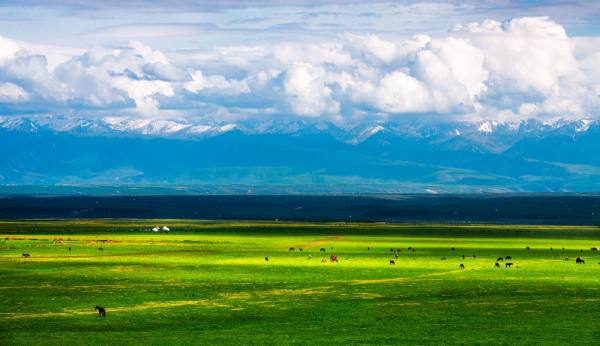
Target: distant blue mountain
[[299, 156]]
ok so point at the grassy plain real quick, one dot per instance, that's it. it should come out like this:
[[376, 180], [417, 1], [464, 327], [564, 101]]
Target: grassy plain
[[208, 283]]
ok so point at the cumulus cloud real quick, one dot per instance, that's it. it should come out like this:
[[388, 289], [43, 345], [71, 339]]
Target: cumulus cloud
[[518, 69]]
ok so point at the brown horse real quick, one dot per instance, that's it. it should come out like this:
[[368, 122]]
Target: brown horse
[[101, 311]]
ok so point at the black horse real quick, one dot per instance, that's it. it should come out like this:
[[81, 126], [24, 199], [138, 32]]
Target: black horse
[[101, 311], [392, 262], [508, 264], [462, 266], [579, 261]]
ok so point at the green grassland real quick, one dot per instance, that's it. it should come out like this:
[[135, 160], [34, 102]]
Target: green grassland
[[208, 283]]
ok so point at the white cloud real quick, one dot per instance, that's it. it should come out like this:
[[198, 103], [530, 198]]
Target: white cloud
[[10, 93], [522, 68]]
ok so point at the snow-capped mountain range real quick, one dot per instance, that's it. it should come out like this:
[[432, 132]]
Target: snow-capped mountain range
[[303, 156]]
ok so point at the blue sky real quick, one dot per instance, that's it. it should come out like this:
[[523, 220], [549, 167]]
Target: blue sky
[[339, 61]]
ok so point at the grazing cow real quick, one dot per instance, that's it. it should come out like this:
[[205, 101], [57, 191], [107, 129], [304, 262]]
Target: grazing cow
[[499, 259], [443, 258], [462, 266], [26, 255], [507, 258], [392, 262], [497, 265], [333, 258], [508, 264], [579, 261], [594, 249], [100, 249], [267, 259], [291, 249], [101, 311]]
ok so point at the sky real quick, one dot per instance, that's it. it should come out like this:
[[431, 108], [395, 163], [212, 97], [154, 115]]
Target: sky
[[338, 61]]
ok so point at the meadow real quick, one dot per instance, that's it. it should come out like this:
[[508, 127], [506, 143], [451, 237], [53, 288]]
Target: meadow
[[209, 283]]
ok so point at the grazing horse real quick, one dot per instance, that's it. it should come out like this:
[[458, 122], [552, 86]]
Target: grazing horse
[[499, 259], [462, 266], [26, 255], [392, 262], [579, 261], [527, 248], [508, 264], [507, 258], [322, 249], [333, 258], [266, 258], [291, 249], [594, 249], [392, 250], [497, 265], [101, 311]]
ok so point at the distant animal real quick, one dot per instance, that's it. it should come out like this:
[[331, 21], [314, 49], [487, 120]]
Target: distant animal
[[101, 311], [452, 249], [397, 256], [69, 248], [410, 247], [369, 248], [581, 251], [26, 255], [508, 264], [291, 249], [594, 249], [463, 256], [333, 258], [551, 249], [579, 261], [322, 250], [300, 249], [563, 249], [506, 258], [392, 250], [566, 258], [497, 265], [474, 256], [528, 248], [499, 259], [462, 266], [443, 258], [267, 259], [392, 262], [100, 249]]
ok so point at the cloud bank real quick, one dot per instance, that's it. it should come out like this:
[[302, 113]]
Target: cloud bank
[[517, 69]]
